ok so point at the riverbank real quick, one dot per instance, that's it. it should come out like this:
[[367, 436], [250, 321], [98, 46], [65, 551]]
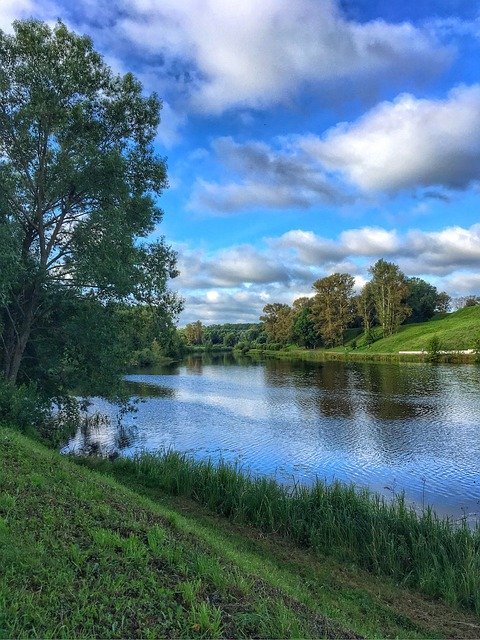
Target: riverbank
[[347, 354], [450, 338], [115, 554]]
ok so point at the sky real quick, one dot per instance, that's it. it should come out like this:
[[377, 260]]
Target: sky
[[303, 138]]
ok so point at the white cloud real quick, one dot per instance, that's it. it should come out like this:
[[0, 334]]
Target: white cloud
[[406, 143], [268, 178], [249, 54], [11, 10], [429, 146], [311, 249], [233, 285], [370, 241]]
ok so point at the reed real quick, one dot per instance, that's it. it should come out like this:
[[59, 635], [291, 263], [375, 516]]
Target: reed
[[419, 550]]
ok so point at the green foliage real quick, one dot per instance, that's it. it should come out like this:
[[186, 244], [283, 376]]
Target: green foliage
[[433, 349], [332, 308], [193, 333], [389, 289], [444, 302], [78, 186], [23, 406], [277, 320], [423, 300], [303, 331], [365, 304]]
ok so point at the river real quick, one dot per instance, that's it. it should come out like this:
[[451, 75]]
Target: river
[[412, 428]]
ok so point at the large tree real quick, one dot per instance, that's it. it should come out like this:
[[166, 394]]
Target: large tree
[[390, 289], [277, 320], [422, 298], [79, 182], [332, 309], [303, 328]]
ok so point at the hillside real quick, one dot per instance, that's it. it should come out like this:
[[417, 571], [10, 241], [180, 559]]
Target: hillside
[[82, 555], [457, 330]]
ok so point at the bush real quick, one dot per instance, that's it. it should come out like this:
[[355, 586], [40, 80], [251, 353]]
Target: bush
[[433, 349], [23, 407]]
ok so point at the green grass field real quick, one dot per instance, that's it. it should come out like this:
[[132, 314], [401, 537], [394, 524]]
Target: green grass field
[[85, 554], [457, 330]]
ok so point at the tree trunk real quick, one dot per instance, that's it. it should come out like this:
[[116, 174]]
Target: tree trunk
[[17, 333]]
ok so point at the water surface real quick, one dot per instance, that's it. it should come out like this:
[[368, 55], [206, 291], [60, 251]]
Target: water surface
[[391, 427]]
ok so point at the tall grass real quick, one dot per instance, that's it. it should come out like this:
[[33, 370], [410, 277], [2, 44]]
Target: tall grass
[[419, 550]]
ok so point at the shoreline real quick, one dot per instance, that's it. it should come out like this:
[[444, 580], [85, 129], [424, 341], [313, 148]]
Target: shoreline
[[325, 355]]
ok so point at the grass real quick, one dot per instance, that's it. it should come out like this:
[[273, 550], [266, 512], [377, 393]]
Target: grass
[[86, 554], [457, 330], [388, 538]]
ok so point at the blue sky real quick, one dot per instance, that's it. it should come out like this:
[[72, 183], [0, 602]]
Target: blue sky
[[303, 137]]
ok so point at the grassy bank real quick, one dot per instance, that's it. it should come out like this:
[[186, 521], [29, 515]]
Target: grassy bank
[[455, 332], [417, 550], [84, 554]]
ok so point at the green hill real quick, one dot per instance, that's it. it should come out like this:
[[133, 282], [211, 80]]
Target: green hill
[[83, 556], [457, 330]]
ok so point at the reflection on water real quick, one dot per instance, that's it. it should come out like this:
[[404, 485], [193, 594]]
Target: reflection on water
[[408, 427]]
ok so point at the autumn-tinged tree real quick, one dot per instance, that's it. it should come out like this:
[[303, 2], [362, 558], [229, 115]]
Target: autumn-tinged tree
[[277, 320], [332, 309], [390, 289], [193, 333], [79, 182]]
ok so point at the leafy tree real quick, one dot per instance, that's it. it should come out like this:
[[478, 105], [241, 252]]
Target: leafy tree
[[390, 290], [366, 308], [332, 309], [230, 339], [444, 302], [277, 321], [303, 328], [422, 299], [194, 333], [78, 187]]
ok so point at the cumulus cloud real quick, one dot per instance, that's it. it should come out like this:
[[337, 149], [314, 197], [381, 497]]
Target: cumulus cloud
[[233, 285], [258, 53], [219, 55], [417, 252], [267, 178], [406, 143], [11, 10], [431, 147], [238, 266]]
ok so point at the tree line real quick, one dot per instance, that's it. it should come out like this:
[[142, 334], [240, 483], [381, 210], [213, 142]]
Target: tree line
[[387, 301]]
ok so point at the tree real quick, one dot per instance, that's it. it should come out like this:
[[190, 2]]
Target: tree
[[277, 320], [332, 309], [389, 289], [303, 328], [78, 186], [422, 299], [366, 308], [194, 333], [444, 302]]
